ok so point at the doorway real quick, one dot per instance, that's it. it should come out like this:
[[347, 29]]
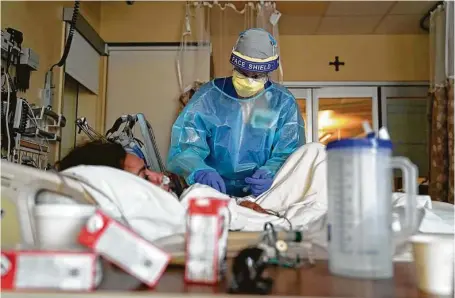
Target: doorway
[[78, 101], [69, 109]]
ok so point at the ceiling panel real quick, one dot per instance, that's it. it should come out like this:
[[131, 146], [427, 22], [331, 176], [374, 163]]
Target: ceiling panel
[[302, 8], [295, 25], [400, 24], [348, 25], [412, 7], [356, 8]]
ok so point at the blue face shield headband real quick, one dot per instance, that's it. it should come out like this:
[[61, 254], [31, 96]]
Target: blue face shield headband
[[246, 63]]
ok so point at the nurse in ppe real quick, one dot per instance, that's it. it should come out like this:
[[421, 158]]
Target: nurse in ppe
[[236, 132]]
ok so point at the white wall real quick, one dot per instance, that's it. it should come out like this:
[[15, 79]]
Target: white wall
[[144, 80]]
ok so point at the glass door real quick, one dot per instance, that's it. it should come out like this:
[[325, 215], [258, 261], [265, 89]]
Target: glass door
[[304, 101], [342, 110], [404, 110]]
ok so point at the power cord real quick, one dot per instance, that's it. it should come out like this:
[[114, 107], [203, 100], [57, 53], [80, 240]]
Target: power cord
[[271, 212], [7, 115]]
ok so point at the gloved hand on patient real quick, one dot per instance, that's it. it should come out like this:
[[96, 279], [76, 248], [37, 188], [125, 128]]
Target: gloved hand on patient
[[260, 182], [210, 178]]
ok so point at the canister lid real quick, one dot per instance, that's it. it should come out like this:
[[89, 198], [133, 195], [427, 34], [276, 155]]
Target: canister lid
[[360, 143]]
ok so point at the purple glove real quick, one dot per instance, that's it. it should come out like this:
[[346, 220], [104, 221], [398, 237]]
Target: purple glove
[[210, 178], [260, 182]]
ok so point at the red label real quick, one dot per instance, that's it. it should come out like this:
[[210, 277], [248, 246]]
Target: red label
[[124, 248], [35, 269]]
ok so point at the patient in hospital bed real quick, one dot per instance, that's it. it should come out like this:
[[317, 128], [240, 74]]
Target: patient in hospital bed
[[298, 188], [297, 197], [98, 153]]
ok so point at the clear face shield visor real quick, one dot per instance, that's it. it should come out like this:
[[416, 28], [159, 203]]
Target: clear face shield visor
[[252, 75]]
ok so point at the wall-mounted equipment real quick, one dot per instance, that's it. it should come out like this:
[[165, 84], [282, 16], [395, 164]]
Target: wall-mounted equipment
[[28, 61], [24, 60], [32, 130], [26, 130], [11, 45]]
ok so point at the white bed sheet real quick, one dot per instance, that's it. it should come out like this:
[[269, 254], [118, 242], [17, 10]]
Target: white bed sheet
[[299, 193]]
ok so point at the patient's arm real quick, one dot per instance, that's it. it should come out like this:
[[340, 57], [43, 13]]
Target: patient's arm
[[253, 206]]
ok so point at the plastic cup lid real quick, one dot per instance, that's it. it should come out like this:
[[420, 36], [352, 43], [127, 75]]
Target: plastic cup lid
[[360, 143]]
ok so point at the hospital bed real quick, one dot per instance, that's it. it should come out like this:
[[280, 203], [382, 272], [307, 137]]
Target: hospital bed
[[24, 188]]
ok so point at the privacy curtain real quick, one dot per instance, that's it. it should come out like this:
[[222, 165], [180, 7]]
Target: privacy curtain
[[441, 186]]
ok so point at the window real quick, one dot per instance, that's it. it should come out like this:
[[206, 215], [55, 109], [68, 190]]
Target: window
[[340, 118], [341, 112]]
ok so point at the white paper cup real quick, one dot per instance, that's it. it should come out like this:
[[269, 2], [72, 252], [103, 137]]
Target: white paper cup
[[58, 225], [434, 260]]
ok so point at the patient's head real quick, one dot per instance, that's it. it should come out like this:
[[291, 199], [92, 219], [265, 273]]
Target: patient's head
[[99, 153], [95, 153]]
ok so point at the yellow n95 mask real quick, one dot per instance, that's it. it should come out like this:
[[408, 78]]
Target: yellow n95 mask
[[245, 86]]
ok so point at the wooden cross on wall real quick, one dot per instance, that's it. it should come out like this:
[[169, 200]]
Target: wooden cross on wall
[[337, 63]]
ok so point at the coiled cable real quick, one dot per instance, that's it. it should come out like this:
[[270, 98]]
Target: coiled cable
[[70, 36]]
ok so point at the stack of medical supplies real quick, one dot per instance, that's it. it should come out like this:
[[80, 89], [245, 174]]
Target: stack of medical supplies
[[105, 239]]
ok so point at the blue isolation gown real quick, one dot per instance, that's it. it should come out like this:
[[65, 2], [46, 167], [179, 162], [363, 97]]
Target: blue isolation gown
[[218, 130]]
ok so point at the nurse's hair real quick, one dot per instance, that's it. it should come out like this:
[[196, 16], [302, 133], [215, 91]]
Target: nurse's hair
[[94, 153]]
